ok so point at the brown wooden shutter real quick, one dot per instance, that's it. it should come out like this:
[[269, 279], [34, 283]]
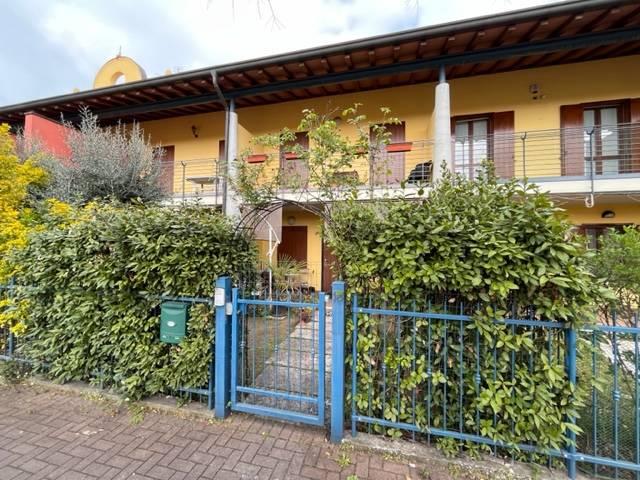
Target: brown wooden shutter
[[166, 169], [572, 125], [295, 170], [503, 144], [389, 168], [634, 134]]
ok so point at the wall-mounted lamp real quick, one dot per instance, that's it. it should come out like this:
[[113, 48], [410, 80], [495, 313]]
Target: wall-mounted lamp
[[291, 220], [608, 214], [195, 131]]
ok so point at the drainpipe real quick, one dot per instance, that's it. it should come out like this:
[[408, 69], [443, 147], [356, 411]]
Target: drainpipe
[[230, 201], [442, 125]]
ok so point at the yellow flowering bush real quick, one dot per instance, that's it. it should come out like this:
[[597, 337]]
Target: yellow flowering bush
[[21, 214], [16, 178]]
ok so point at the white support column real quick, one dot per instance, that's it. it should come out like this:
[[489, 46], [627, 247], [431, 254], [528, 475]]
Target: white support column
[[442, 148], [231, 203]]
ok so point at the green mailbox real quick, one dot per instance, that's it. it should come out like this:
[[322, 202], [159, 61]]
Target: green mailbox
[[173, 321]]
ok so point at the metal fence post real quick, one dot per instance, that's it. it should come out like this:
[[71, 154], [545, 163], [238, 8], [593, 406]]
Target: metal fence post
[[10, 294], [571, 356], [222, 347], [337, 361]]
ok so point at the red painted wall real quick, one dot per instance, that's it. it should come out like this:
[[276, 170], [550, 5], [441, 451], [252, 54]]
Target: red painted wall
[[52, 134]]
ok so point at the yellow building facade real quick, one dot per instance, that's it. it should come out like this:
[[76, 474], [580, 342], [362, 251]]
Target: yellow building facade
[[550, 93], [590, 82]]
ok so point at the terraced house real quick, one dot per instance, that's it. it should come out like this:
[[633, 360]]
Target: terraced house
[[549, 93]]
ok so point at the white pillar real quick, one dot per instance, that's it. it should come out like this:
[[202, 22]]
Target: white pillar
[[231, 201], [442, 148]]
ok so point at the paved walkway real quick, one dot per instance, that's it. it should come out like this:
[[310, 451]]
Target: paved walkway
[[294, 368], [56, 435]]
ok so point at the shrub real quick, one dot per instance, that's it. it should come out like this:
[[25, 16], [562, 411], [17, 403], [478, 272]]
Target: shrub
[[617, 263], [91, 291], [486, 249], [17, 178], [112, 163]]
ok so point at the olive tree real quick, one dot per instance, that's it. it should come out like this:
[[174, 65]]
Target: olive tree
[[115, 163]]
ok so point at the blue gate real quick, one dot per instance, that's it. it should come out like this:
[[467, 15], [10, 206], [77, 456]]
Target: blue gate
[[278, 366]]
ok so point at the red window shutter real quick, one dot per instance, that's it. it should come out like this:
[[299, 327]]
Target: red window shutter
[[572, 124], [634, 127], [503, 144]]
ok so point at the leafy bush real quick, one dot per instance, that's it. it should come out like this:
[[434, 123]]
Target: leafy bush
[[483, 248], [17, 178], [91, 292], [617, 263]]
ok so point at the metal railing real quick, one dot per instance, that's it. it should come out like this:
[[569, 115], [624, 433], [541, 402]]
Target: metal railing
[[427, 373], [198, 179], [589, 152]]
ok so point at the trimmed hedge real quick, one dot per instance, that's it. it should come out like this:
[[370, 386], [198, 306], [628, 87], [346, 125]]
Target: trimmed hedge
[[92, 286]]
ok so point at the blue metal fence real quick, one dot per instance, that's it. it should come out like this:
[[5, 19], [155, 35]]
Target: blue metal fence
[[416, 372], [403, 383]]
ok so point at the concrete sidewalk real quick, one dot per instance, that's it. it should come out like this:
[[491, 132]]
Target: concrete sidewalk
[[48, 434]]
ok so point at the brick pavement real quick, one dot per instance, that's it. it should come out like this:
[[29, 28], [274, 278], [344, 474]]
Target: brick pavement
[[56, 435]]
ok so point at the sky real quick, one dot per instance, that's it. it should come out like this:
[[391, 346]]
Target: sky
[[50, 47]]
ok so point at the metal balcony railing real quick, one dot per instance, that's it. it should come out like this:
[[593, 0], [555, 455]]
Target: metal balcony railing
[[580, 153], [587, 154], [198, 178]]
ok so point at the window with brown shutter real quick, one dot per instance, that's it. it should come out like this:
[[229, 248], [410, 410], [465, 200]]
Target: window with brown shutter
[[503, 144], [600, 138], [387, 168], [571, 133], [487, 136], [295, 170]]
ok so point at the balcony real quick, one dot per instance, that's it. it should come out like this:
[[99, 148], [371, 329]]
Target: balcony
[[198, 180], [601, 159]]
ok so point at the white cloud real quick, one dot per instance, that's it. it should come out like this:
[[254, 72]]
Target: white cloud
[[82, 33]]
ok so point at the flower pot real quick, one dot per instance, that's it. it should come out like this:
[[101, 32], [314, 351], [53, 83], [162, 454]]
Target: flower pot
[[257, 158], [399, 147]]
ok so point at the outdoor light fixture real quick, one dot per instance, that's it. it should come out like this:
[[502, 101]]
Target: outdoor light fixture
[[195, 130], [291, 220], [608, 214]]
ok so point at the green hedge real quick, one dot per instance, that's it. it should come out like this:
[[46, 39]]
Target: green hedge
[[91, 287], [493, 250]]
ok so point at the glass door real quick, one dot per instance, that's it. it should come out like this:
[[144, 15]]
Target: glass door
[[471, 146], [602, 141]]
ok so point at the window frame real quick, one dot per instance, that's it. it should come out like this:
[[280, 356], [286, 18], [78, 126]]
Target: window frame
[[470, 168]]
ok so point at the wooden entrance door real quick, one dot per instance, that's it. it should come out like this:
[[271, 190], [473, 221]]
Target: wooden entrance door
[[293, 243], [328, 271]]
